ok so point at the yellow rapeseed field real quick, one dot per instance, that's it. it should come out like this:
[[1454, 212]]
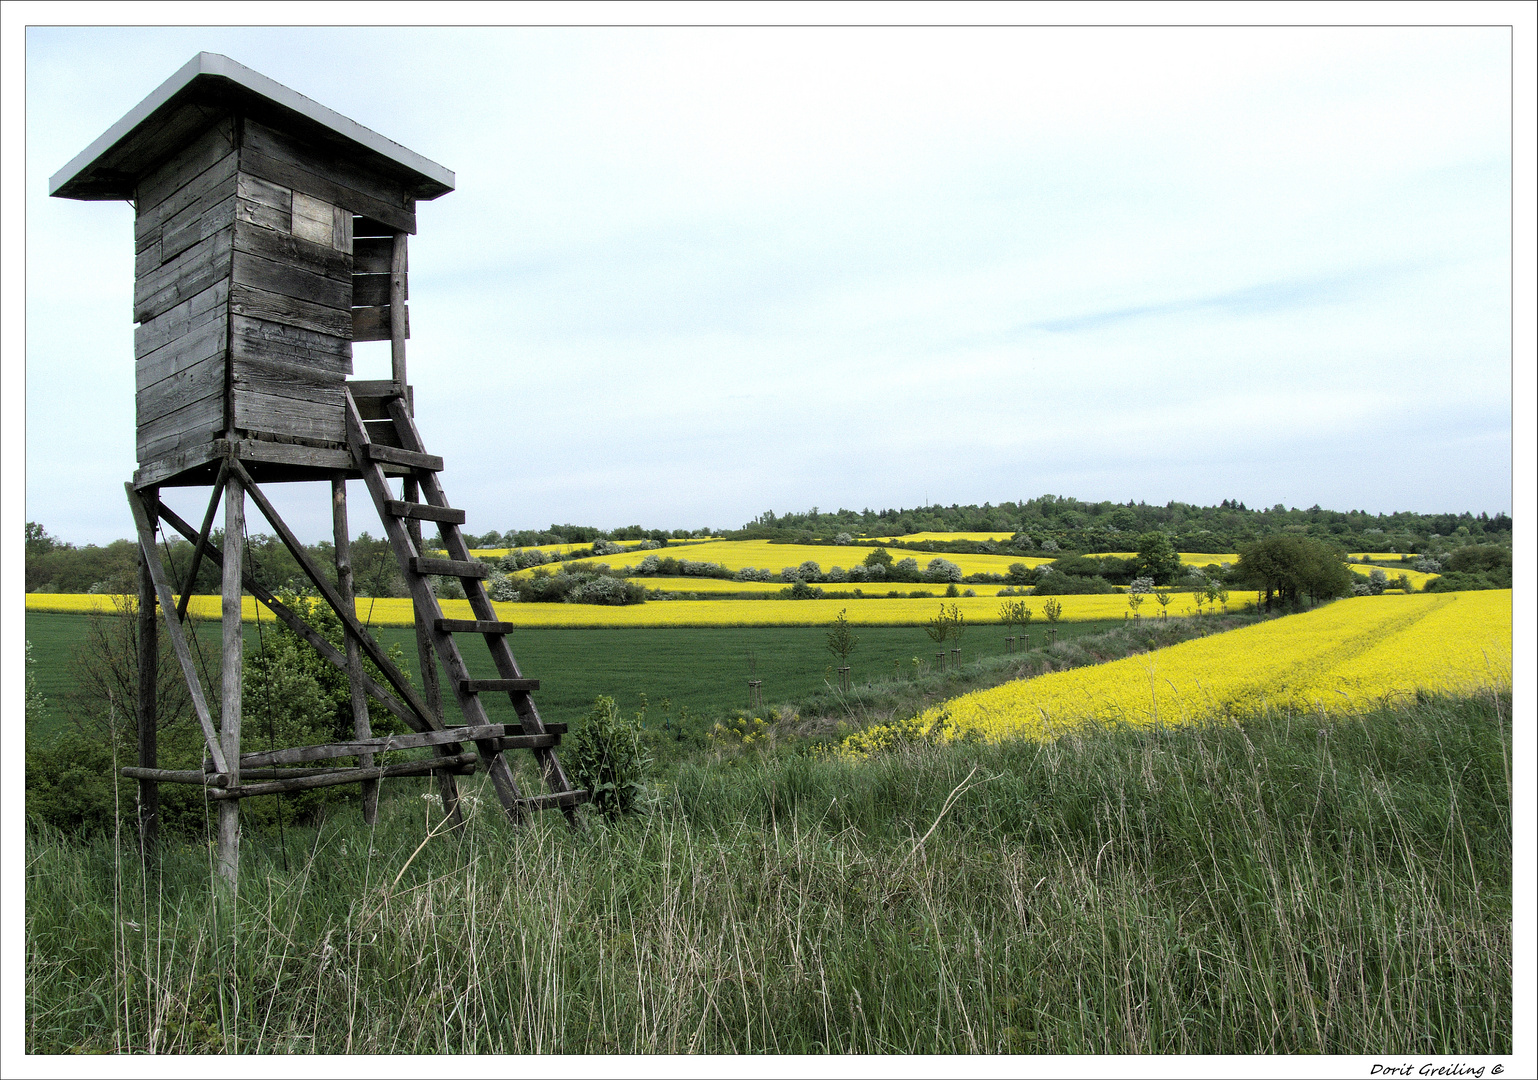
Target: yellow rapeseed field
[[1418, 579], [943, 537], [761, 554], [871, 611], [1345, 657]]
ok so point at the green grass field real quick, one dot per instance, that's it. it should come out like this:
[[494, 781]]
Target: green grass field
[[703, 669]]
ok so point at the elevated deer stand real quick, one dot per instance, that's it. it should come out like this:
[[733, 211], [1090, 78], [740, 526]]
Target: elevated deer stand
[[270, 234]]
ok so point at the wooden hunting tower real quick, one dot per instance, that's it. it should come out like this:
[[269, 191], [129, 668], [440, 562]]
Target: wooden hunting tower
[[270, 234]]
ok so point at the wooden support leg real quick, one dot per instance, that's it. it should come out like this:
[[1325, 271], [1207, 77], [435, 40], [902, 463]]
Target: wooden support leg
[[360, 720], [149, 674], [231, 676], [427, 657]]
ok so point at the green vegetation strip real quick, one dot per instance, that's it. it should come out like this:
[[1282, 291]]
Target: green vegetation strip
[[1292, 886]]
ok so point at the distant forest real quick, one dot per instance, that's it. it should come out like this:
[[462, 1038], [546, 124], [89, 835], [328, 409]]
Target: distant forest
[[1046, 525]]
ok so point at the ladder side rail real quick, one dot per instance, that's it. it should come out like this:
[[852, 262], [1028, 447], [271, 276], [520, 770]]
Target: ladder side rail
[[501, 653], [422, 596]]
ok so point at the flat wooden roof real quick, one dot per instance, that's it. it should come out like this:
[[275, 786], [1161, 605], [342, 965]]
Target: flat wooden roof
[[207, 86]]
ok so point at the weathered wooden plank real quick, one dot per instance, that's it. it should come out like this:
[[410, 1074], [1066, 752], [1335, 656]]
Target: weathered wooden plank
[[175, 776], [296, 251], [183, 386], [373, 290], [287, 279], [423, 512], [373, 324], [197, 344], [282, 453], [188, 165], [200, 546], [341, 229], [460, 568], [291, 175], [150, 220], [191, 313], [183, 277], [314, 219], [290, 311], [371, 254], [193, 422], [266, 375], [409, 458], [219, 216], [146, 533], [331, 778], [291, 416], [473, 626], [171, 465], [211, 196], [147, 257], [364, 226], [563, 800], [398, 308], [259, 339], [377, 745], [511, 686], [324, 162]]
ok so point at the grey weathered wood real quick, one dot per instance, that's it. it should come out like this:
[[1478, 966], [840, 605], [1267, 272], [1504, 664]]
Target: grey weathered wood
[[331, 778], [501, 652], [212, 190], [304, 630], [150, 219], [564, 800], [147, 714], [398, 309], [342, 542], [290, 175], [296, 251], [174, 467], [348, 616], [309, 457], [200, 546], [197, 421], [269, 206], [459, 568], [474, 626], [371, 254], [186, 165], [294, 415], [146, 532], [188, 377], [288, 279], [410, 458], [427, 664], [342, 170], [174, 776], [205, 307], [258, 339], [373, 324], [257, 303], [373, 290], [503, 782], [174, 241], [512, 686], [232, 673], [183, 277], [423, 512], [385, 743]]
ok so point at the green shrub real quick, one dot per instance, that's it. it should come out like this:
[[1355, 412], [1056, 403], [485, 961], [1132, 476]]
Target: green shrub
[[606, 757]]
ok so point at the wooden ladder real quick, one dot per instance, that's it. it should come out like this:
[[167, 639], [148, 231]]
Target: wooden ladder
[[371, 455]]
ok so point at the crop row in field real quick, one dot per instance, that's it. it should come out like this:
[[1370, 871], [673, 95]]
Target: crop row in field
[[1349, 656], [867, 611]]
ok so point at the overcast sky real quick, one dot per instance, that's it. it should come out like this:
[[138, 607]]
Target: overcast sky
[[689, 275]]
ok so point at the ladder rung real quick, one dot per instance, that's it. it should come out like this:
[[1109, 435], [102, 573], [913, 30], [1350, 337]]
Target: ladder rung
[[473, 626], [424, 512], [529, 742], [450, 568], [515, 729], [512, 686], [560, 798], [392, 455]]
